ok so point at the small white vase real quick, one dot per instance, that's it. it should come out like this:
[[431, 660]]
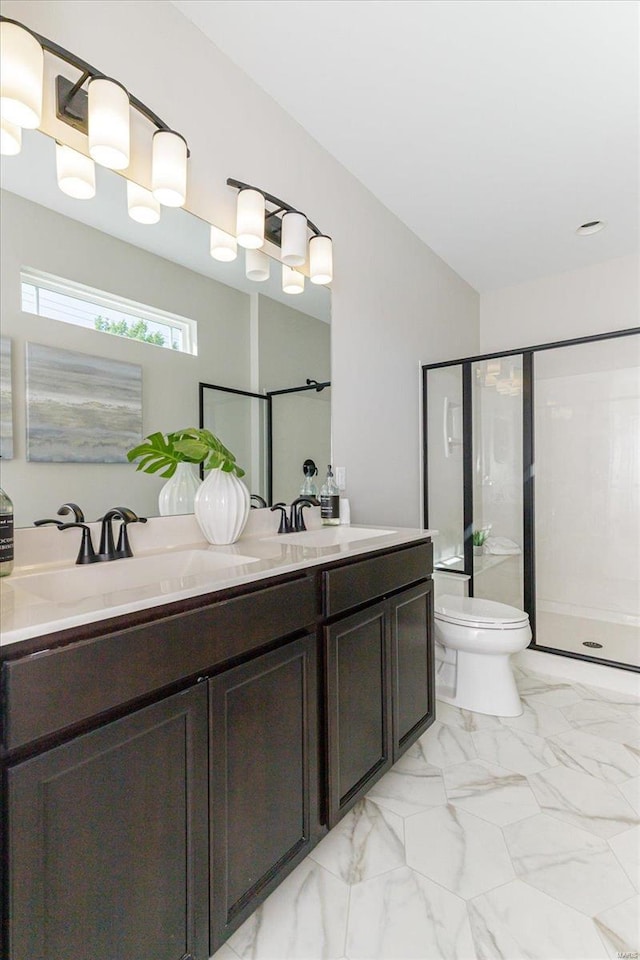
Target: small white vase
[[178, 493], [222, 506]]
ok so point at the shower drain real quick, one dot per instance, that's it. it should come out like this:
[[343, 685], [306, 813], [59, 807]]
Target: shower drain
[[592, 643]]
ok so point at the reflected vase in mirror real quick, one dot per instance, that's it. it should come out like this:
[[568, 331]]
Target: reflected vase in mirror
[[178, 494], [222, 506]]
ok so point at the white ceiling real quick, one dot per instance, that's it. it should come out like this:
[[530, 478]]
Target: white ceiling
[[492, 128]]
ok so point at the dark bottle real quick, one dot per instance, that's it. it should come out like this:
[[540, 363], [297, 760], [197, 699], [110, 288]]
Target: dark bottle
[[330, 501], [6, 534]]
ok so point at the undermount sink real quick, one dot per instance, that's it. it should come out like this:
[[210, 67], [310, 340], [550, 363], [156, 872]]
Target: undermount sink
[[166, 573], [331, 536]]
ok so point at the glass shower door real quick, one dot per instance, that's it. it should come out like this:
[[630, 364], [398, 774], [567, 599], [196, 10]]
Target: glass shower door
[[445, 475]]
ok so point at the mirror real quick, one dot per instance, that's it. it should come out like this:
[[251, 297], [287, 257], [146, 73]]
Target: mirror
[[250, 336]]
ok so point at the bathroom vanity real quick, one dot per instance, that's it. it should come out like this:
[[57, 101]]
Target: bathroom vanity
[[167, 766]]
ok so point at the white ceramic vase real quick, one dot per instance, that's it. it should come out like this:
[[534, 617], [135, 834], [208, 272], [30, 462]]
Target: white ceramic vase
[[222, 506], [178, 493]]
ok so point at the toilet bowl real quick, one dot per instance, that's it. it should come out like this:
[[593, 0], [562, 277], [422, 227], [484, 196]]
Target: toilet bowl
[[482, 635]]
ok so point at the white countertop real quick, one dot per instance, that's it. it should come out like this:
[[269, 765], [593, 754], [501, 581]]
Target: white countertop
[[32, 604]]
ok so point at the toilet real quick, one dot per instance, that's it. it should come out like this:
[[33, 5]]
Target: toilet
[[478, 637]]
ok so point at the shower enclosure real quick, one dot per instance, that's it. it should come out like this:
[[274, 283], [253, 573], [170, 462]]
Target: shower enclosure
[[532, 478]]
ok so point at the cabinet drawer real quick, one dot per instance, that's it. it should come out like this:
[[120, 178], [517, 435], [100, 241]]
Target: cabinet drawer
[[365, 580], [50, 691]]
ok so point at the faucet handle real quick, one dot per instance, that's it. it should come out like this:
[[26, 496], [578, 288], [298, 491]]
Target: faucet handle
[[73, 508], [44, 523], [86, 553], [284, 520]]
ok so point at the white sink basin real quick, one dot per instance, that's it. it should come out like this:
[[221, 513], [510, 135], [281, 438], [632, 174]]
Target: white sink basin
[[331, 536], [165, 573]]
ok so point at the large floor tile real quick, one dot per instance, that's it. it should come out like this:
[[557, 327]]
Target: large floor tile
[[491, 792], [538, 718], [514, 749], [619, 928], [369, 840], [552, 693], [411, 786], [464, 719], [626, 847], [583, 800], [404, 916], [630, 790], [619, 731], [567, 863], [517, 921], [580, 750], [225, 953], [463, 853], [444, 745], [304, 919], [594, 711]]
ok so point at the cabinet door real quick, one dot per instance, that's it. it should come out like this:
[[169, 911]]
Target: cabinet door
[[411, 623], [358, 706], [108, 841], [264, 778]]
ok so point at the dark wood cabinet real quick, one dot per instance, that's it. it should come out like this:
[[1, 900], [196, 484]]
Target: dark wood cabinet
[[413, 666], [108, 840], [263, 750]]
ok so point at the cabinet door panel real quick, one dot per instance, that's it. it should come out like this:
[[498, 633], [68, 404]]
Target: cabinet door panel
[[411, 618], [108, 841], [263, 750], [358, 706]]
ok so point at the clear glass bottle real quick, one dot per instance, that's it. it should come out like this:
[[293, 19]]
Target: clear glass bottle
[[6, 534], [329, 501]]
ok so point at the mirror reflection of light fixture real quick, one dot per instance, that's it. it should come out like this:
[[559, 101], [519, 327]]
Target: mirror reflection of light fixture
[[292, 280], [257, 265], [285, 227], [250, 217], [222, 246], [10, 138], [321, 259], [76, 173], [294, 239], [21, 80], [109, 133], [169, 168], [141, 204]]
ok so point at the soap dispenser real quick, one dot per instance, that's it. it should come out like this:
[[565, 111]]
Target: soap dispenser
[[329, 501], [309, 487]]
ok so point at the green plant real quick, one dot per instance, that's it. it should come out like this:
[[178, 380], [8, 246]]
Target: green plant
[[138, 330], [162, 452], [479, 537]]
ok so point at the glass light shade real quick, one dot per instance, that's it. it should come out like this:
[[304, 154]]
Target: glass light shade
[[76, 173], [294, 239], [169, 168], [109, 134], [250, 219], [257, 265], [222, 246], [141, 204], [21, 80], [292, 280], [10, 139], [321, 259]]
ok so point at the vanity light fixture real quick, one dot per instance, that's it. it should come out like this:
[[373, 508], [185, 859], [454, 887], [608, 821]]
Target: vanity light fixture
[[263, 217], [141, 204], [76, 173], [292, 280], [21, 82], [257, 265], [10, 138], [222, 246], [108, 122]]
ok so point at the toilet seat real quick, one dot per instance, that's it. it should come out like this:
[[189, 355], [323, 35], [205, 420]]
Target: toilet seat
[[476, 612]]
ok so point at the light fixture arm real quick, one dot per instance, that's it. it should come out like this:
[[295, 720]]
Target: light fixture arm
[[67, 91], [281, 206]]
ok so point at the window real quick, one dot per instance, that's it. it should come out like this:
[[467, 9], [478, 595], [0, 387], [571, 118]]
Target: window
[[70, 302]]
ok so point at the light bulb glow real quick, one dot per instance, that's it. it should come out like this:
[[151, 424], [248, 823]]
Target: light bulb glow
[[109, 128], [292, 280], [141, 204], [321, 259], [169, 168], [10, 139], [250, 219], [76, 173], [294, 239], [222, 246], [21, 79], [257, 265]]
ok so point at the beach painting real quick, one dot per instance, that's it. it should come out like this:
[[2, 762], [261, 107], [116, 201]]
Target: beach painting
[[81, 409], [6, 406]]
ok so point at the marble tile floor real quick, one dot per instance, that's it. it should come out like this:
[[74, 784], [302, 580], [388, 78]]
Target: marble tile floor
[[489, 839]]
